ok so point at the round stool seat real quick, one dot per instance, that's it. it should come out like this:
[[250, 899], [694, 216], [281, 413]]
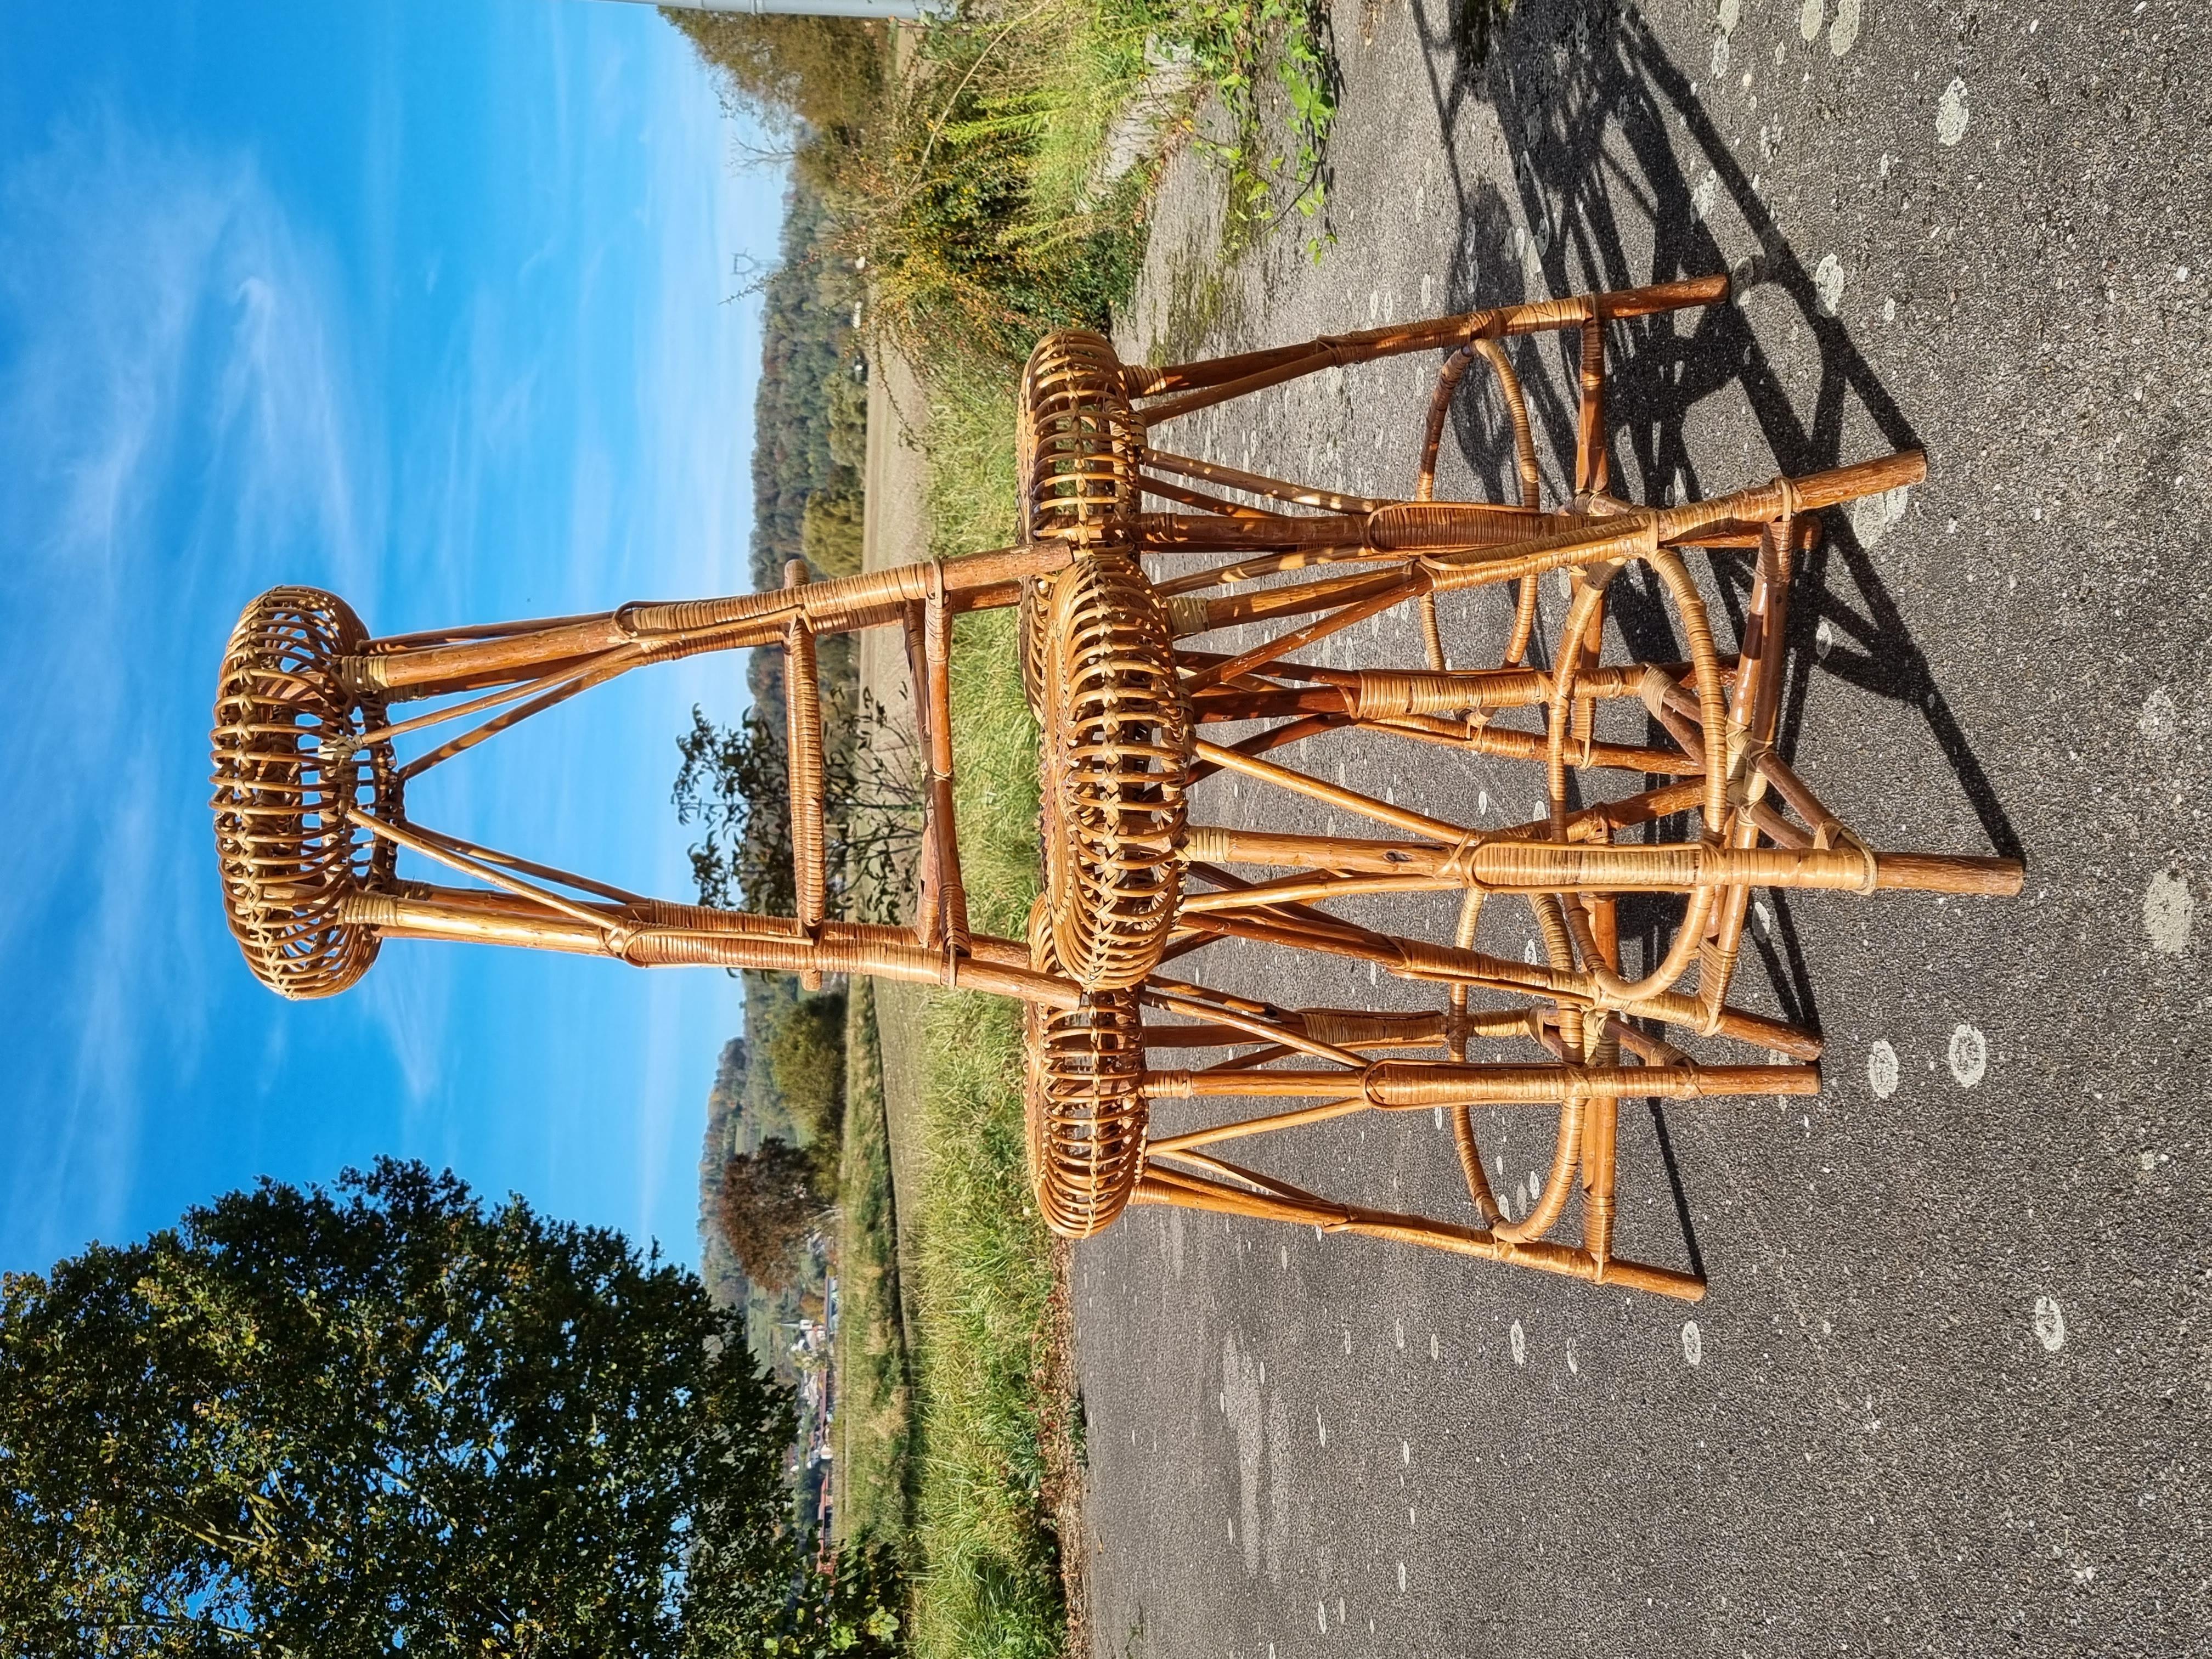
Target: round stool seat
[[1115, 753], [289, 770], [1084, 1102]]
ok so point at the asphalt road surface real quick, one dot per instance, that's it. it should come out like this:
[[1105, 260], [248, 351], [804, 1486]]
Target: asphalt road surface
[[1948, 1392]]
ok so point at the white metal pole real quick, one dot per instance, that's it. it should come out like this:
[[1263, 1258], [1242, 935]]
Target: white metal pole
[[905, 10]]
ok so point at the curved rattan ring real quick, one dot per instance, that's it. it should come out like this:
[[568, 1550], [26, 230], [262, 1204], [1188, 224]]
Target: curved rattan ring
[[1115, 763], [1085, 1103], [1077, 441], [289, 770], [1034, 613]]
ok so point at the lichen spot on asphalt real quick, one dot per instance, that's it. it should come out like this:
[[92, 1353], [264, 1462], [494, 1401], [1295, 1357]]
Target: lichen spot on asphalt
[[1969, 1054], [1951, 114], [2169, 913], [2050, 1324], [1881, 1069]]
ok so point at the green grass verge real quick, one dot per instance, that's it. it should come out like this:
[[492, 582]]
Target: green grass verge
[[873, 1470], [986, 1567]]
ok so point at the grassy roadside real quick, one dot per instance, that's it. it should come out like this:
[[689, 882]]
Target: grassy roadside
[[872, 1471], [992, 174], [994, 1441]]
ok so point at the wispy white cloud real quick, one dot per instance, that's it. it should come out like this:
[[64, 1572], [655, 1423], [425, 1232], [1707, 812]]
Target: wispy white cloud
[[176, 408], [196, 404]]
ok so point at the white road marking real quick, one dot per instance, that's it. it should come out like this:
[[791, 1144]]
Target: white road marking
[[1573, 1370], [2050, 1324], [2168, 910], [1951, 113], [1809, 21], [1881, 1069], [1969, 1055], [1693, 1343], [1731, 13], [1520, 1341]]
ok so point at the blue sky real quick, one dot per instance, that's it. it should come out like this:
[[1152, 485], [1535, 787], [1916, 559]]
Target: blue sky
[[429, 302]]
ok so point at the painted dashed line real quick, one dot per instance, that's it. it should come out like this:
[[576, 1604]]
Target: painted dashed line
[[1844, 32]]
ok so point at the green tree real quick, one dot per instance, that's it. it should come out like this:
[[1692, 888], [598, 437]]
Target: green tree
[[771, 1201], [735, 785], [806, 1062], [383, 1420], [829, 532]]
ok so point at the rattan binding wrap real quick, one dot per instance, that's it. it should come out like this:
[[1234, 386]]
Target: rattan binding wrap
[[1085, 1103], [1117, 757], [287, 772], [1077, 442]]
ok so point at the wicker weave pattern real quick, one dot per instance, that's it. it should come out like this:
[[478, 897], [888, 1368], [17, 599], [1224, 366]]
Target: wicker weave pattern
[[1077, 441], [1086, 1110], [287, 775], [1036, 609], [1117, 757]]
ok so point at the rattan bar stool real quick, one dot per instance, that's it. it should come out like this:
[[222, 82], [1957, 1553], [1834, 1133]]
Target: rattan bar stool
[[311, 815], [310, 800], [1124, 696]]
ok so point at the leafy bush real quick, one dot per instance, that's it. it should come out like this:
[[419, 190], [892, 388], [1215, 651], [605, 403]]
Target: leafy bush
[[382, 1419], [829, 534], [771, 1203], [805, 1053]]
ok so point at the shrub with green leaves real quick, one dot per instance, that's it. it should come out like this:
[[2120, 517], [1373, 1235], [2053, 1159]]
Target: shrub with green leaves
[[382, 1419]]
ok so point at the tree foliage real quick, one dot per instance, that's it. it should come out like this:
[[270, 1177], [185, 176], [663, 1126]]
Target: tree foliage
[[806, 1052], [383, 1419], [735, 785], [771, 1201]]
